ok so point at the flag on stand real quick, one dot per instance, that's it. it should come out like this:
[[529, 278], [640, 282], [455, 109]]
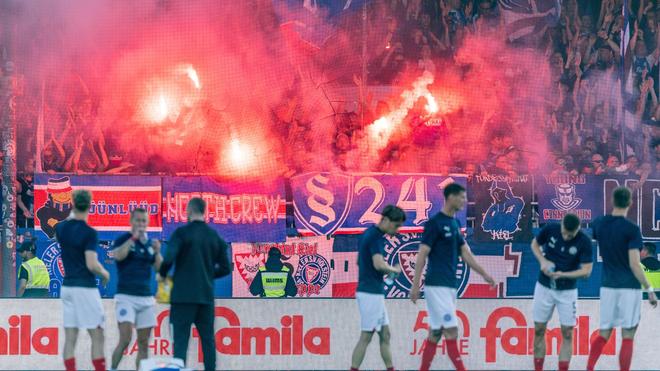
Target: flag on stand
[[529, 18]]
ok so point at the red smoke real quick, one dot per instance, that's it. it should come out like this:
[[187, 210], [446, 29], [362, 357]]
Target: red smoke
[[259, 103]]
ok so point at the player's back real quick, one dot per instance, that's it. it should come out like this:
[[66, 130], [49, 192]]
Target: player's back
[[75, 237], [616, 235], [442, 233]]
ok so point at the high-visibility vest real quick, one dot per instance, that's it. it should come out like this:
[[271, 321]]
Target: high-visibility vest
[[274, 283], [38, 277], [653, 277]]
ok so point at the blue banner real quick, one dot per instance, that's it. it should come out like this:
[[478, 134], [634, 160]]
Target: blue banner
[[645, 209], [238, 211], [558, 195], [339, 203]]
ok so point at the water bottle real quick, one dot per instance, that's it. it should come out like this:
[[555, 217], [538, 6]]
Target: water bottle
[[389, 279], [553, 282]]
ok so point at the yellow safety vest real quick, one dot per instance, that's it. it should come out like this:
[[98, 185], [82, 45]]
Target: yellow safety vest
[[38, 277], [653, 277], [274, 283]]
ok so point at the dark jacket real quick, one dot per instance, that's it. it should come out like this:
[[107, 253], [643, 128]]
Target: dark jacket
[[274, 265], [651, 263], [199, 256]]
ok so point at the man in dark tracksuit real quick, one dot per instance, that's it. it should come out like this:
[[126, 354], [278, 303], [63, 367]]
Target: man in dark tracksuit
[[199, 256]]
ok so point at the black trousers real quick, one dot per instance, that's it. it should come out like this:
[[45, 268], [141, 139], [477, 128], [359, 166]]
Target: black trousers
[[182, 317]]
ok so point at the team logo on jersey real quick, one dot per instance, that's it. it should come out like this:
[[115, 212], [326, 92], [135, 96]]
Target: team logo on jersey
[[566, 197], [248, 265], [504, 213], [327, 203], [313, 271], [572, 250], [402, 250], [52, 258]]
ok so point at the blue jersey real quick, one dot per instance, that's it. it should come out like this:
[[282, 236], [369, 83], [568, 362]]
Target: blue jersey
[[75, 237], [370, 280], [566, 255], [135, 271], [442, 234], [616, 235]]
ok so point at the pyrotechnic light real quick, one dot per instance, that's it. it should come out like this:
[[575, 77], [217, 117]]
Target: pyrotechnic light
[[157, 108], [240, 154], [192, 75], [431, 105], [381, 130]]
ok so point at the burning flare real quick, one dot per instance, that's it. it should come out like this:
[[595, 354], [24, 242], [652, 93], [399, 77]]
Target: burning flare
[[192, 75]]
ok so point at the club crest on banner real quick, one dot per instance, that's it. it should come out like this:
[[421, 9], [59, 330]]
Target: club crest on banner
[[52, 258], [566, 197], [313, 272], [402, 249], [320, 211], [248, 265]]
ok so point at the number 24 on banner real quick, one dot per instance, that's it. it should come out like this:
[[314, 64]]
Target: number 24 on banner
[[326, 203], [419, 204]]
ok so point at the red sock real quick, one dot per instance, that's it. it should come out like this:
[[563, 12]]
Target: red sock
[[563, 365], [70, 364], [596, 349], [354, 369], [538, 364], [454, 355], [99, 364], [625, 355], [390, 369], [427, 355]]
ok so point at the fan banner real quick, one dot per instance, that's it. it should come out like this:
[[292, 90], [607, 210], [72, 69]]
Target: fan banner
[[113, 199], [238, 211], [503, 208], [341, 203], [308, 258], [559, 195]]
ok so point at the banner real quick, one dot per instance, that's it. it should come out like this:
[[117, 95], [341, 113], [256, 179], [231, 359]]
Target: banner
[[576, 194], [645, 209], [298, 334], [503, 209], [308, 258], [113, 198], [239, 212], [338, 203]]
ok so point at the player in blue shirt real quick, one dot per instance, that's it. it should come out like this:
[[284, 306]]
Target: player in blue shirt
[[443, 244], [565, 255], [81, 301], [371, 289], [619, 243], [137, 256]]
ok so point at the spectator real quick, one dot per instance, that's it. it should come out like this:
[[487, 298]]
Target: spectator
[[598, 165], [25, 199], [613, 164]]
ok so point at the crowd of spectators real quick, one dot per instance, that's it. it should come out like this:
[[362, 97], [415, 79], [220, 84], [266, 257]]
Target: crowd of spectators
[[603, 118]]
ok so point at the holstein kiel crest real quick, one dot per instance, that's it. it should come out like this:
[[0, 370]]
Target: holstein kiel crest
[[402, 249], [326, 203], [566, 197], [313, 274], [52, 258]]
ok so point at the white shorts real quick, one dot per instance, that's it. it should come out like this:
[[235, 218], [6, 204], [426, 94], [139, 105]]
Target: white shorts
[[82, 307], [373, 315], [138, 310], [441, 306], [619, 307], [545, 301]]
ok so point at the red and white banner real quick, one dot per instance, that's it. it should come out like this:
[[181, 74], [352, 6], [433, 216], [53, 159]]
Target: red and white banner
[[298, 334], [308, 258]]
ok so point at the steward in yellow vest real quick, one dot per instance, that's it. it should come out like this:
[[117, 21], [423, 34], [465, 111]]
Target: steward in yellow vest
[[33, 276], [274, 280], [651, 265]]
